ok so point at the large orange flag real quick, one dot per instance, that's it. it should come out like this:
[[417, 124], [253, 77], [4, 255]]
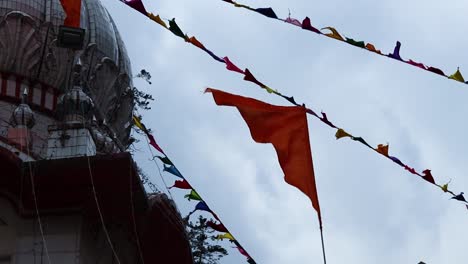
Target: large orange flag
[[72, 9], [286, 128]]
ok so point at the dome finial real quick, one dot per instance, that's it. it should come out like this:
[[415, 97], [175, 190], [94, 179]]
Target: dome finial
[[23, 116]]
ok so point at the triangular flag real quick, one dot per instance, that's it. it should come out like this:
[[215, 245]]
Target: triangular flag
[[249, 77], [360, 139], [217, 227], [183, 184], [267, 12], [417, 64], [193, 195], [436, 71], [231, 66], [382, 149], [225, 236], [271, 91], [137, 5], [293, 21], [308, 26], [137, 123], [397, 161], [372, 48], [459, 197], [334, 33], [412, 170], [396, 52], [202, 206], [165, 160], [173, 170], [251, 261], [284, 127], [213, 55], [157, 19], [243, 252], [175, 29], [196, 43], [457, 76], [326, 121], [153, 143], [340, 133], [353, 42], [428, 176], [72, 10]]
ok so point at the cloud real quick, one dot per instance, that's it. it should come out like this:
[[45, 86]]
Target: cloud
[[373, 211]]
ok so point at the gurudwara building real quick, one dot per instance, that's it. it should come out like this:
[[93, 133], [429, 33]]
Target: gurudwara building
[[69, 190]]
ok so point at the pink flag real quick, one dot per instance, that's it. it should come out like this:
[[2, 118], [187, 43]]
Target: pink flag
[[231, 66]]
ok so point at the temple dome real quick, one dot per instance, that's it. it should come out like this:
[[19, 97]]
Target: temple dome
[[30, 58]]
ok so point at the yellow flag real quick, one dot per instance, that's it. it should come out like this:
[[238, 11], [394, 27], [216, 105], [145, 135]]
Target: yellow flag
[[382, 149], [341, 134], [269, 90], [157, 19], [138, 123], [457, 76], [225, 236], [334, 33]]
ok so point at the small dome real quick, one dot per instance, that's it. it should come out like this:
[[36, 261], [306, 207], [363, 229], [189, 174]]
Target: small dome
[[23, 116], [75, 105]]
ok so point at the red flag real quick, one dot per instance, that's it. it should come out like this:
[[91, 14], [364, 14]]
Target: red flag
[[153, 143], [72, 9], [286, 128], [183, 184], [428, 176], [217, 227]]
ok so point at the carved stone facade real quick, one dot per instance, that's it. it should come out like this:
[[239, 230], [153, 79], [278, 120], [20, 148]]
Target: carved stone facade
[[29, 58]]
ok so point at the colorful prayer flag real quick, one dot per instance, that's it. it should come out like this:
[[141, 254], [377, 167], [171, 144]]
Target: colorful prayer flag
[[249, 77], [308, 26], [173, 170], [372, 48], [334, 33], [353, 42], [193, 195], [267, 12], [175, 29], [183, 184], [217, 227], [293, 21], [153, 143], [165, 160], [457, 76], [382, 149], [340, 133], [137, 5], [225, 236], [157, 19], [396, 52], [428, 176], [286, 128], [231, 66]]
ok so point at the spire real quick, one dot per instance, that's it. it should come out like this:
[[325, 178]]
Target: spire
[[75, 106], [23, 116]]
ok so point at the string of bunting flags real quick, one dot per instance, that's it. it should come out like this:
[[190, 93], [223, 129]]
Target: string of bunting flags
[[332, 33], [381, 149], [182, 183]]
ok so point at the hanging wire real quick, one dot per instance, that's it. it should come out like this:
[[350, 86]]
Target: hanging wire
[[132, 205], [106, 232], [39, 221]]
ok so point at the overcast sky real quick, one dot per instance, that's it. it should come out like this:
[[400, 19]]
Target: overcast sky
[[373, 210]]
